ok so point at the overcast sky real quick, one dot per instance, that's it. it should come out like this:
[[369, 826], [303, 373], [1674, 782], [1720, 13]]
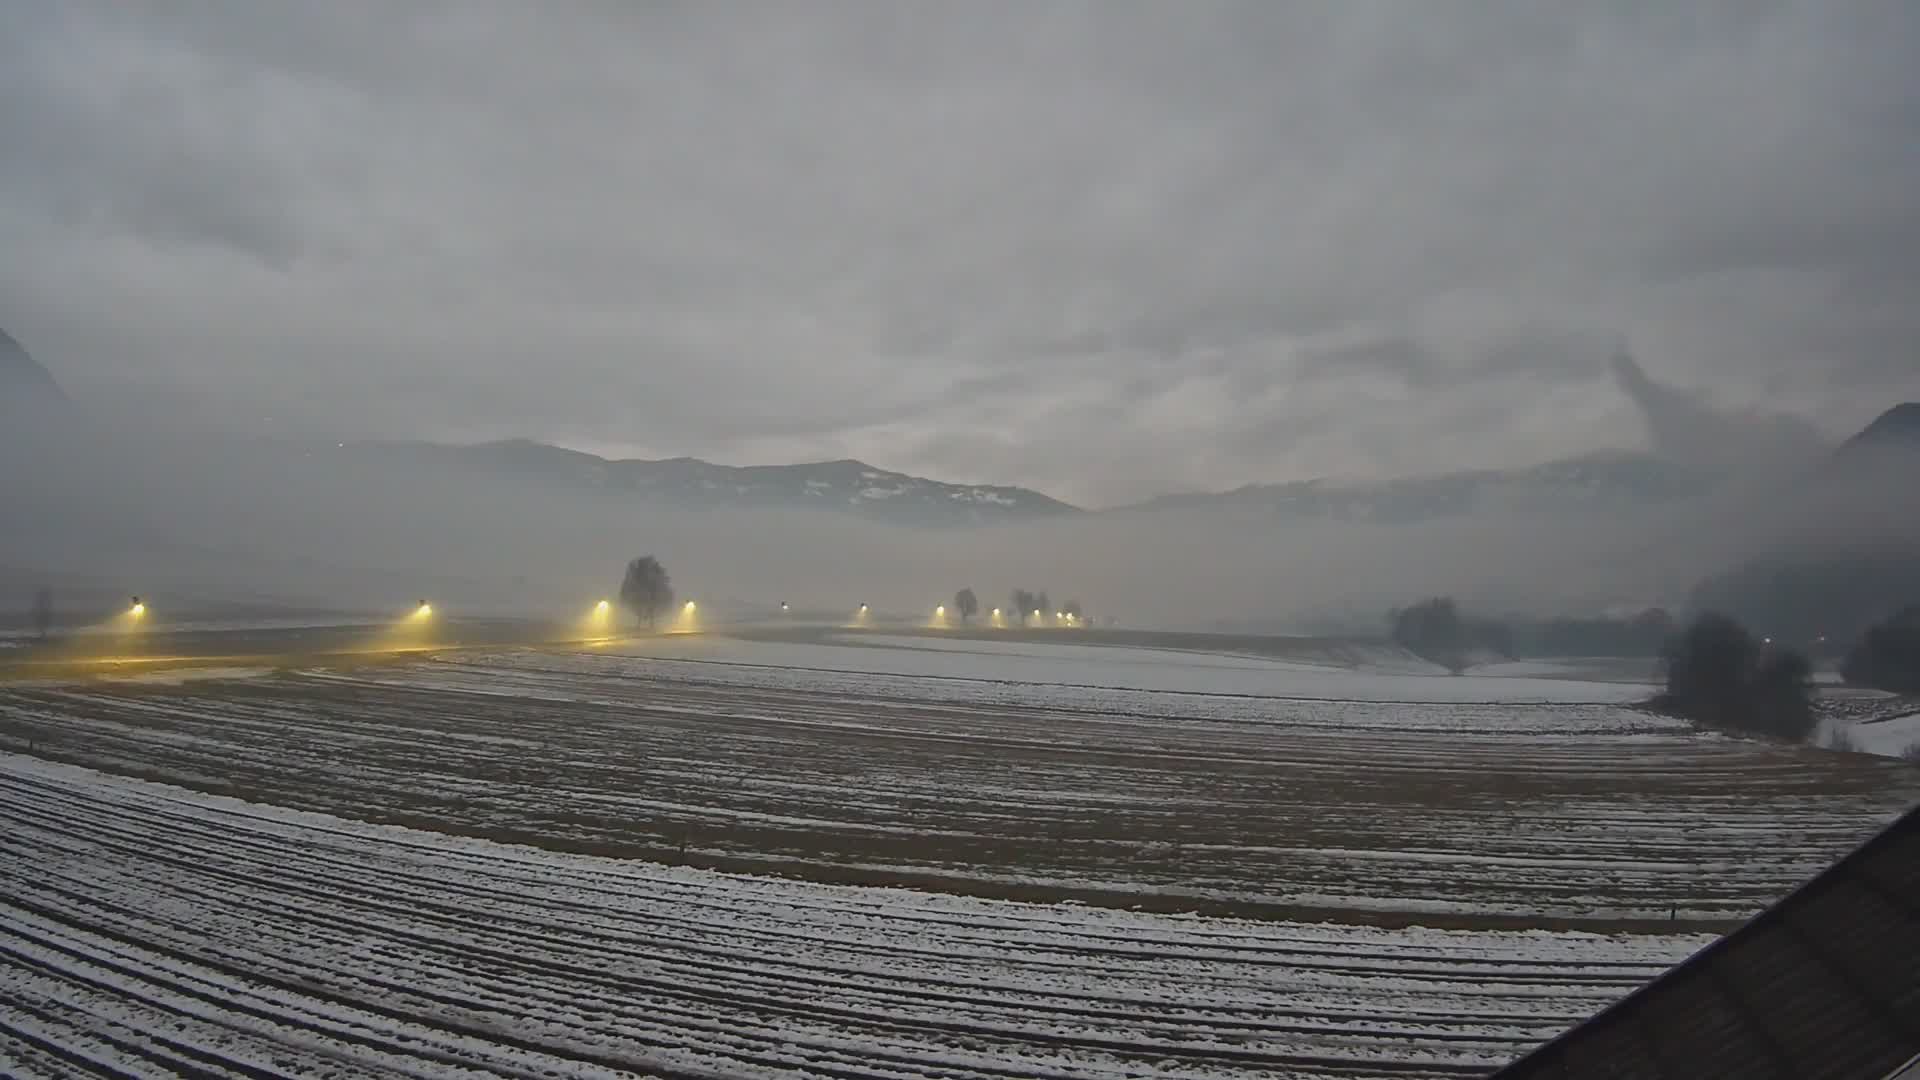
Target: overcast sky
[[1107, 250]]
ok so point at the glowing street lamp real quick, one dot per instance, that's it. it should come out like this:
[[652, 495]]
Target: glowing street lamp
[[424, 611], [689, 608], [602, 608], [138, 609], [940, 611]]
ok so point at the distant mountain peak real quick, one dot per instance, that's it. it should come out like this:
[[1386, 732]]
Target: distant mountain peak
[[23, 380], [1898, 426]]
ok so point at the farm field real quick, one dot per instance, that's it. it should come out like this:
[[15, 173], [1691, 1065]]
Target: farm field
[[865, 856], [731, 755], [149, 929]]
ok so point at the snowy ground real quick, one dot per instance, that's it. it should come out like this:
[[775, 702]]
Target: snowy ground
[[1477, 813], [1231, 864], [154, 930], [1390, 676]]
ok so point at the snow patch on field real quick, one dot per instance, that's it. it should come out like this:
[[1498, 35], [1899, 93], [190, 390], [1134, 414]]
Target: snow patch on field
[[1118, 668], [1889, 736], [183, 675]]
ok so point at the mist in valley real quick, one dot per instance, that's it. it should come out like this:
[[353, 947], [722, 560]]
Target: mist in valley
[[208, 521]]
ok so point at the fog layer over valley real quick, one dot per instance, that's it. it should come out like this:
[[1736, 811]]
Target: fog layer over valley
[[133, 507]]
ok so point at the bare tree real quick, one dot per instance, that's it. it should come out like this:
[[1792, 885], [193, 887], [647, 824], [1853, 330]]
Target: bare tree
[[967, 604], [1024, 604], [646, 591]]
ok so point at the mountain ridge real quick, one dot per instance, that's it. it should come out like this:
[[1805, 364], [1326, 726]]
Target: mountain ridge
[[844, 484], [1599, 479], [1897, 427], [24, 380]]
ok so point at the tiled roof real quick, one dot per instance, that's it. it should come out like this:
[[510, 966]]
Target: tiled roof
[[1824, 984]]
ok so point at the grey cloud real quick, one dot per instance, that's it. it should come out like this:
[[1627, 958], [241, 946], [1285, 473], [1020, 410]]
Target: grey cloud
[[1100, 248]]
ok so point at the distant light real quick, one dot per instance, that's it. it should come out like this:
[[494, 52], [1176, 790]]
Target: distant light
[[996, 613], [689, 607], [343, 446], [863, 607], [138, 609], [1036, 613], [425, 609], [783, 605], [603, 607], [941, 610], [1766, 641]]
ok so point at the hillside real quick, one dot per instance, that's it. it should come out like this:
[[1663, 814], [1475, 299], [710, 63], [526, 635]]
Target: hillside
[[1898, 427], [23, 382], [846, 485], [1595, 481]]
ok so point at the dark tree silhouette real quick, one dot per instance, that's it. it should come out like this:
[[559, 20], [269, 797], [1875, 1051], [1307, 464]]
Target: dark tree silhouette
[[1433, 630], [1719, 674], [1888, 655], [646, 590], [1024, 604], [967, 604]]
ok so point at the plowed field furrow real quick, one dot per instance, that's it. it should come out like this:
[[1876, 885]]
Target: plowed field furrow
[[158, 930], [1489, 814]]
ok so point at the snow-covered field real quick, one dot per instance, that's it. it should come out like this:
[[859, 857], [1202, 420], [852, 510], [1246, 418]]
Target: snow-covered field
[[728, 753], [1117, 862], [1388, 676], [152, 930]]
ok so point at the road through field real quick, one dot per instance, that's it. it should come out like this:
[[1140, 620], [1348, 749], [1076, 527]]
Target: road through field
[[1482, 814], [148, 929]]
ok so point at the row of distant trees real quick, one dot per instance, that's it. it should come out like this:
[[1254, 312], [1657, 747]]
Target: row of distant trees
[[1022, 602], [1715, 671], [647, 592], [1025, 604]]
